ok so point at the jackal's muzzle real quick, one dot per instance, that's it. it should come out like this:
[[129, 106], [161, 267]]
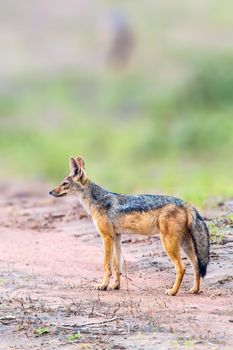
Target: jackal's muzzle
[[57, 194]]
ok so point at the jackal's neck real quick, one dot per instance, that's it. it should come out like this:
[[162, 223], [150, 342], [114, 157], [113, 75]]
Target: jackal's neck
[[92, 196]]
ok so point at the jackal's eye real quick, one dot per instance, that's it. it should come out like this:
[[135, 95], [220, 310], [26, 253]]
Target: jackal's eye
[[65, 183]]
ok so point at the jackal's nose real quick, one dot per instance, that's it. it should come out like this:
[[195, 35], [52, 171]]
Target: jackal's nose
[[51, 193]]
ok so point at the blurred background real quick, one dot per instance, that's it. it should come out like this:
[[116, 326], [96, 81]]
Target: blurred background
[[142, 90]]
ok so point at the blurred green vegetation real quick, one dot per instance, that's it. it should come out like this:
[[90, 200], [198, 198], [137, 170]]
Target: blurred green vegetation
[[134, 136]]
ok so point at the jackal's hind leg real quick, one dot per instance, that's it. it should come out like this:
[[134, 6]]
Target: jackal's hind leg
[[188, 248], [117, 268], [171, 245]]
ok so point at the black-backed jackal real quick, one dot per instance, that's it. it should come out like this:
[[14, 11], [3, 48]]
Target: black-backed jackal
[[179, 225]]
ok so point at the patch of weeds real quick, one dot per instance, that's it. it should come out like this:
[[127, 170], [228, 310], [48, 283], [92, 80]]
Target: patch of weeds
[[215, 235], [189, 343], [41, 331], [229, 220], [175, 344], [73, 337]]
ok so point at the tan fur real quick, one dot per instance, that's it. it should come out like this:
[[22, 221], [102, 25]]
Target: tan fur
[[145, 223]]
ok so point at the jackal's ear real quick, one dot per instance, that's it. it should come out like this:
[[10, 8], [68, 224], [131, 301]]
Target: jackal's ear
[[73, 167], [80, 162]]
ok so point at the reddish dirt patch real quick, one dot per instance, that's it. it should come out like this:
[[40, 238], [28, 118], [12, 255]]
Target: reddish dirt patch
[[51, 257]]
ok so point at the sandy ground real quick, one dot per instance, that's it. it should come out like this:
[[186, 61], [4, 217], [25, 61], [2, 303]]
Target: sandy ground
[[51, 258]]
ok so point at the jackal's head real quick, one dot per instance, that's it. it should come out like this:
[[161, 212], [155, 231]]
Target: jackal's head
[[74, 182]]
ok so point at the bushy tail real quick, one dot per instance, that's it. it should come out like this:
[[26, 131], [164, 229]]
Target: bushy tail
[[200, 236]]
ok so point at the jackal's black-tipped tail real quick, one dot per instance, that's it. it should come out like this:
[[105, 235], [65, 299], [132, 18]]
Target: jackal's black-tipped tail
[[200, 236]]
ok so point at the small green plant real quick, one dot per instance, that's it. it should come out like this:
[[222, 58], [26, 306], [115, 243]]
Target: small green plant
[[189, 343], [73, 337], [229, 219], [41, 330], [215, 234]]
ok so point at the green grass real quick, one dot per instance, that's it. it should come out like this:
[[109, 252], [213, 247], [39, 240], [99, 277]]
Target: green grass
[[41, 331], [133, 138], [73, 337]]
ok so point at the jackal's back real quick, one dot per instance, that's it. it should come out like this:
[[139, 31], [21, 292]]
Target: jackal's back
[[143, 203]]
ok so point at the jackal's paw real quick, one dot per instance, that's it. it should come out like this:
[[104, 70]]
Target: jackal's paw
[[170, 292], [101, 286], [115, 285], [194, 290]]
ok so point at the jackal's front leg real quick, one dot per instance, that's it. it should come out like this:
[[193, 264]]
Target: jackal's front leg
[[117, 268], [108, 255]]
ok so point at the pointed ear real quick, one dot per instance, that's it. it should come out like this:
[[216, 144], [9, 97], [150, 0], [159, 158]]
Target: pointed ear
[[80, 162], [73, 167]]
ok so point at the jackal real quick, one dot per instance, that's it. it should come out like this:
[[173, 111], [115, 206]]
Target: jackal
[[179, 225]]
